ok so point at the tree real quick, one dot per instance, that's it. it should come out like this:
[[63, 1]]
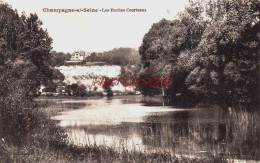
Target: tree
[[117, 56], [78, 90], [164, 43], [107, 87], [226, 58], [24, 65], [212, 49], [59, 58], [24, 46]]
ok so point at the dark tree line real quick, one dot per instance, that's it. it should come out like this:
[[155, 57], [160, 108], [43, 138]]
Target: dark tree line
[[24, 65], [59, 58], [117, 56], [211, 52]]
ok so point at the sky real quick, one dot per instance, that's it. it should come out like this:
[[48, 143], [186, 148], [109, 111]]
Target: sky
[[101, 31]]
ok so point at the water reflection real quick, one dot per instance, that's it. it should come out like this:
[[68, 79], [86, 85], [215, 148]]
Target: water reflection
[[130, 122]]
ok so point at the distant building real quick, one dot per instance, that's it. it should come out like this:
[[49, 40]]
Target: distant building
[[77, 56]]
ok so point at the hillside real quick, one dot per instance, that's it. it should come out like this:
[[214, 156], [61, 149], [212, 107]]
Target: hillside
[[84, 75]]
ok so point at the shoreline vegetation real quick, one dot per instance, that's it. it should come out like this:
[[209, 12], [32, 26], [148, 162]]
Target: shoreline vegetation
[[50, 144], [214, 56]]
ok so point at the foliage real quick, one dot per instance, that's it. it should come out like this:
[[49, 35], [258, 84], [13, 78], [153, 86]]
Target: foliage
[[25, 52], [76, 90], [24, 65], [107, 86], [59, 58], [212, 49], [117, 56]]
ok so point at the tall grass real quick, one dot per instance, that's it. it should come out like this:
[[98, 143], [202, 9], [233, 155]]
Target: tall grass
[[94, 153], [46, 142], [231, 134]]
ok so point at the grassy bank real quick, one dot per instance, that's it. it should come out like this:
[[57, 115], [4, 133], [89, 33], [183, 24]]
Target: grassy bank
[[70, 153], [46, 142]]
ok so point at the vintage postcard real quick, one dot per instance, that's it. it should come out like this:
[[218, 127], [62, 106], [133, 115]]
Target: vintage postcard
[[129, 81]]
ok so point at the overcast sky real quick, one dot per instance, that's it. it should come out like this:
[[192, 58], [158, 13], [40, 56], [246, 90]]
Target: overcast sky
[[95, 32]]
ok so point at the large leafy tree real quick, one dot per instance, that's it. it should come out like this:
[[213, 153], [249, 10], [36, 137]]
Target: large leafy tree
[[24, 66], [213, 50], [227, 56], [166, 45], [25, 52], [156, 51]]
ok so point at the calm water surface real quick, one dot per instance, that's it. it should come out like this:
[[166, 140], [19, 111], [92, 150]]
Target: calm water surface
[[146, 124]]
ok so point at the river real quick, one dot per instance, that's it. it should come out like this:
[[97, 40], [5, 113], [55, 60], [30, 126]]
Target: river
[[146, 124]]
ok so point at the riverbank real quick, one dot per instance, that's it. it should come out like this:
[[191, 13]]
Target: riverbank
[[70, 153], [50, 143]]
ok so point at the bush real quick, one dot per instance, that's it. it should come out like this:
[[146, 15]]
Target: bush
[[76, 90]]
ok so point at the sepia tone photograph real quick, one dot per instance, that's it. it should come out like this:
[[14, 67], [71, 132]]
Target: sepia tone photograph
[[129, 81]]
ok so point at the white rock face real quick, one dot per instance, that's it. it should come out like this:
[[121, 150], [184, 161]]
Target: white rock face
[[85, 75]]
